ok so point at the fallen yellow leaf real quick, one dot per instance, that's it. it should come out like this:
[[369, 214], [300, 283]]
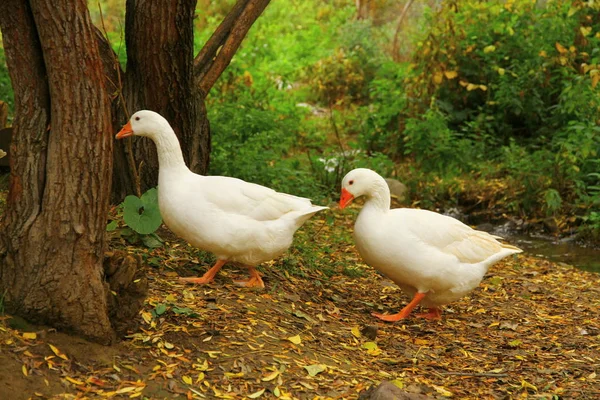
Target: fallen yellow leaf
[[356, 332], [56, 351], [442, 390], [74, 381], [29, 335], [256, 395], [125, 390], [187, 380], [271, 376], [295, 339]]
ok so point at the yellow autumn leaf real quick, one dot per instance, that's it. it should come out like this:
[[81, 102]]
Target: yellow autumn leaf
[[398, 383], [147, 317], [24, 369], [543, 53], [561, 49], [234, 374], [74, 381], [56, 351], [295, 339], [463, 83], [355, 332], [169, 345], [201, 367], [527, 385], [489, 49], [451, 74], [372, 348], [212, 354], [171, 298], [438, 78], [483, 87], [442, 390], [501, 71], [271, 376], [29, 335], [187, 380], [595, 79], [572, 11], [200, 377], [315, 369], [126, 390], [472, 86], [256, 395], [585, 30]]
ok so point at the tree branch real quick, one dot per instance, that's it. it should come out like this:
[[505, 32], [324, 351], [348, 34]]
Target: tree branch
[[210, 62], [395, 45]]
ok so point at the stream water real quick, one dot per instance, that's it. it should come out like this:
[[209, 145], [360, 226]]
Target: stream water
[[560, 250], [567, 251]]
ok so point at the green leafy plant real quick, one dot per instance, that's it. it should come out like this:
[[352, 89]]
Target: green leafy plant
[[141, 217], [142, 213], [163, 308]]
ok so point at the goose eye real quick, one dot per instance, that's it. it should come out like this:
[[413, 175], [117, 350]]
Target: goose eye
[[137, 118], [351, 182]]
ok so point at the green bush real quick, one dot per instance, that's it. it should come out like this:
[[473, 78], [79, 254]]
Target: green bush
[[508, 89], [6, 92]]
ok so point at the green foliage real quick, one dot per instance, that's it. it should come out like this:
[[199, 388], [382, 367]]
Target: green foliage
[[6, 92], [508, 89], [344, 76], [142, 213], [142, 218]]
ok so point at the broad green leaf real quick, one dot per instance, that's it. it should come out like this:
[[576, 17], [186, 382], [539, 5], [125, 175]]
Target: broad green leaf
[[142, 214], [112, 225], [160, 309]]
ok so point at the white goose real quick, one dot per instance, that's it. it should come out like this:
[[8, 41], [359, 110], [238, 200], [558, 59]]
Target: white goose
[[237, 221], [432, 257]]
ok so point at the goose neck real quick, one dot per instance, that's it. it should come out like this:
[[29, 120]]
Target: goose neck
[[169, 151], [379, 197]]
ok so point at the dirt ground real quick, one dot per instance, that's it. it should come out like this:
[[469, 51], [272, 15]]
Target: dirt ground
[[531, 330]]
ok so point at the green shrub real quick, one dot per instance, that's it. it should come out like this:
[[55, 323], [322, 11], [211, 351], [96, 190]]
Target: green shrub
[[6, 91], [343, 77]]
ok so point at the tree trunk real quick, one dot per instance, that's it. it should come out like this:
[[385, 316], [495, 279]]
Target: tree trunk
[[53, 230], [159, 77], [163, 76]]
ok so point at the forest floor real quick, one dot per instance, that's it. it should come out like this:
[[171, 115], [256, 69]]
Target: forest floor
[[531, 330]]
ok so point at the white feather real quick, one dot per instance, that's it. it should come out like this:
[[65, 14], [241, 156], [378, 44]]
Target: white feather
[[420, 250], [236, 220]]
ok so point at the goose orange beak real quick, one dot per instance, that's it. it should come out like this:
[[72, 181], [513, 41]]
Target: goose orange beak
[[126, 131], [345, 198]]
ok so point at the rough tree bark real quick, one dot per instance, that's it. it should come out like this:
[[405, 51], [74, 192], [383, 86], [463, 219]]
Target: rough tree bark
[[159, 77], [52, 236], [52, 246], [162, 75]]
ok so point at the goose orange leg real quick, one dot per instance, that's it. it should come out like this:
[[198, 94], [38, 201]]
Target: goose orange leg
[[208, 277], [404, 312], [254, 281]]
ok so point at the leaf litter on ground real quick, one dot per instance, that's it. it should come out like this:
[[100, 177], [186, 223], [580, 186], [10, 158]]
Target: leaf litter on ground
[[530, 330]]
